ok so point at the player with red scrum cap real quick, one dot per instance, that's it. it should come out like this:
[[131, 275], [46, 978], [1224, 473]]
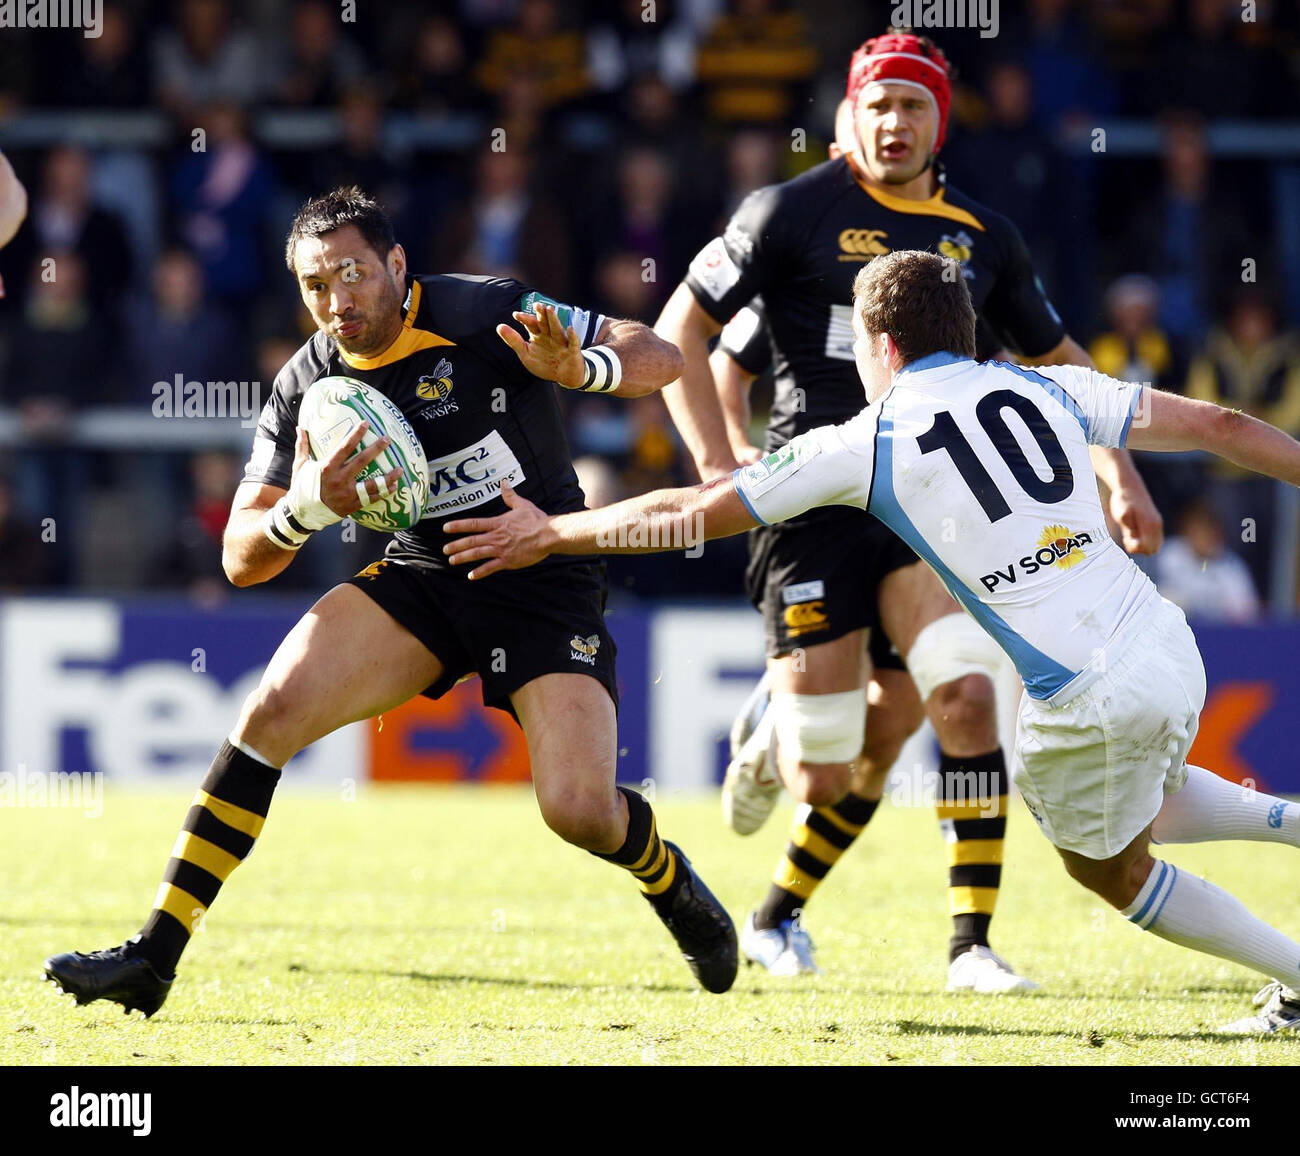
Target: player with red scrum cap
[[833, 578]]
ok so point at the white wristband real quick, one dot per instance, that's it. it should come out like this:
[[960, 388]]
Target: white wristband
[[300, 512], [604, 370], [283, 528]]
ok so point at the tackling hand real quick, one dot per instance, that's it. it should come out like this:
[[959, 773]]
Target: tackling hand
[[509, 541]]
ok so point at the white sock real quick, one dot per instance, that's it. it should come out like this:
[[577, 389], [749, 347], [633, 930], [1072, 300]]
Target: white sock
[[1191, 912], [1209, 807]]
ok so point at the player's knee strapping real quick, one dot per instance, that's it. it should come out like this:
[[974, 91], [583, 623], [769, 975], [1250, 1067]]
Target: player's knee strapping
[[220, 829], [972, 810], [651, 861], [820, 728], [950, 648], [817, 729], [818, 837]]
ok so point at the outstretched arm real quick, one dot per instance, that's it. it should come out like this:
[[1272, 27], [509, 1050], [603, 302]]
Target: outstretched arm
[[692, 399], [646, 363], [1179, 423], [660, 520]]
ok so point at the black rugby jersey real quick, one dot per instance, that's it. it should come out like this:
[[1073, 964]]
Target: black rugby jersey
[[480, 415], [800, 244]]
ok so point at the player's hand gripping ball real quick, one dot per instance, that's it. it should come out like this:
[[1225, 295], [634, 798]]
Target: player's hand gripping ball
[[331, 409]]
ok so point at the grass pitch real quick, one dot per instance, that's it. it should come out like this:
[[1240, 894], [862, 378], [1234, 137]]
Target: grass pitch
[[448, 926]]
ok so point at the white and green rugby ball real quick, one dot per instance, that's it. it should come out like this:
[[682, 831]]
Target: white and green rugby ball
[[332, 408]]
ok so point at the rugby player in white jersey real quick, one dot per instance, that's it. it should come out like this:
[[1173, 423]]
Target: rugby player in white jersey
[[984, 470], [834, 586]]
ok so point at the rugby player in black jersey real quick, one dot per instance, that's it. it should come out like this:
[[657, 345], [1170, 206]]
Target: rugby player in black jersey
[[471, 362], [826, 578]]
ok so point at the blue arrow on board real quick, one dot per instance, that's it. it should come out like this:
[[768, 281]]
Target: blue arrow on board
[[471, 737]]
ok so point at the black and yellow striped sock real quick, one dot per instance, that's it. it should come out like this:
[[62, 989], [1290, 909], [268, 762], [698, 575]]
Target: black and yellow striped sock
[[220, 828], [972, 813], [818, 838], [652, 862]]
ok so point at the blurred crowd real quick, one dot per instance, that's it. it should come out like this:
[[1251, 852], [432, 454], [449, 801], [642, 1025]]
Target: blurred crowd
[[631, 130]]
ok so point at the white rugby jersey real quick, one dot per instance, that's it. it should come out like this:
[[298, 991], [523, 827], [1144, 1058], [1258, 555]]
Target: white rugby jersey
[[983, 469]]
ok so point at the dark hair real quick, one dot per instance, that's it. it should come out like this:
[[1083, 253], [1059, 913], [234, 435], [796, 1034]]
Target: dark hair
[[920, 299], [337, 209]]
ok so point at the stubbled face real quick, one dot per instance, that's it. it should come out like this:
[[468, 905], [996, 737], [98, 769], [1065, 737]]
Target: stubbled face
[[869, 356], [353, 293], [897, 125]]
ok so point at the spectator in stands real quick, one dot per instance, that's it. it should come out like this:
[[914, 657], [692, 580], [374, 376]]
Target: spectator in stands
[[623, 45], [642, 220], [1057, 51], [362, 158], [61, 352], [506, 227], [24, 557], [105, 71], [435, 78], [1190, 236], [1135, 348], [62, 359], [756, 63], [273, 353], [1206, 69], [1011, 163], [1248, 364], [536, 46], [205, 59], [1197, 571], [318, 64], [753, 160], [191, 558], [177, 331], [63, 218], [221, 197]]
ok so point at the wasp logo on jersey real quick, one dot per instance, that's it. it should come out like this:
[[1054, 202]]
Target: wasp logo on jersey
[[862, 244], [958, 247], [1057, 546], [584, 649], [436, 388]]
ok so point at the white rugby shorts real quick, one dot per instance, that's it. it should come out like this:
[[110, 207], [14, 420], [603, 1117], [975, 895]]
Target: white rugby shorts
[[1094, 770]]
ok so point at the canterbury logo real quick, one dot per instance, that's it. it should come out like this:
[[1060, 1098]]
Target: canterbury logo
[[804, 616], [862, 244]]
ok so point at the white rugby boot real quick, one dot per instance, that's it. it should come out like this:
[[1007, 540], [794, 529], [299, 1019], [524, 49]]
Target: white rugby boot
[[980, 971], [1280, 1009], [785, 950], [752, 785]]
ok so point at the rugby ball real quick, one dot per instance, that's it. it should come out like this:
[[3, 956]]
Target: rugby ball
[[332, 408]]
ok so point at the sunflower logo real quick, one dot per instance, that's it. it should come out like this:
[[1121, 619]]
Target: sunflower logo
[[1064, 543]]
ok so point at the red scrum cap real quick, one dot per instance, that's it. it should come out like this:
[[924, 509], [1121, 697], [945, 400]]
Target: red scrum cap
[[904, 58]]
